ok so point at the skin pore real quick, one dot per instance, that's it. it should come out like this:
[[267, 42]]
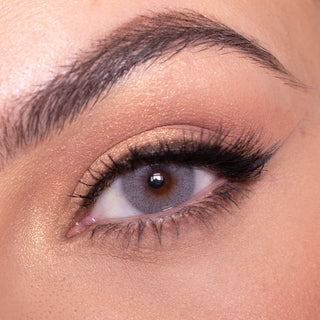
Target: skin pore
[[260, 261]]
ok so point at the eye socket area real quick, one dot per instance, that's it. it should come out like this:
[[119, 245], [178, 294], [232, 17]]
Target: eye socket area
[[150, 190]]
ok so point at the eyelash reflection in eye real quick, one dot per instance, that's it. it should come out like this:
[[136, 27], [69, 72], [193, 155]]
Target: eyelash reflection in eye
[[163, 182]]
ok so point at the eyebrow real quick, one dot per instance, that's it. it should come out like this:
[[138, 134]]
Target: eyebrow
[[145, 39]]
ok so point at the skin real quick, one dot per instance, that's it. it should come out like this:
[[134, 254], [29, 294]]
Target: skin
[[260, 262]]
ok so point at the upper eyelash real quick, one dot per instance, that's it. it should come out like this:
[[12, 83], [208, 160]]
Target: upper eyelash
[[242, 160]]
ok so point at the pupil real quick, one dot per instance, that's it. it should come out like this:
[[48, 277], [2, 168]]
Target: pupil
[[156, 181]]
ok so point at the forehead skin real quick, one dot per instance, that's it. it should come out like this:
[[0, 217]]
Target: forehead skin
[[38, 36], [28, 58]]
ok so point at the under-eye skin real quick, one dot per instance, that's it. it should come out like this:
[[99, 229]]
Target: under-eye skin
[[164, 178]]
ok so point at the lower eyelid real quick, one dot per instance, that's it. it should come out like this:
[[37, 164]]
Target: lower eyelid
[[201, 210], [201, 214], [94, 215]]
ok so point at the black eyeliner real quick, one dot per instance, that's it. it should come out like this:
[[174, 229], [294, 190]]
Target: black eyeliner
[[239, 160], [242, 160]]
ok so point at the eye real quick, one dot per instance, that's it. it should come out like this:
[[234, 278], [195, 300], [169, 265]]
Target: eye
[[182, 175], [152, 189]]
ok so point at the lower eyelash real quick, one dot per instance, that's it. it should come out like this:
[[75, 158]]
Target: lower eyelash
[[202, 212]]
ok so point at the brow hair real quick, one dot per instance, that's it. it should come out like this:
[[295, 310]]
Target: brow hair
[[90, 77]]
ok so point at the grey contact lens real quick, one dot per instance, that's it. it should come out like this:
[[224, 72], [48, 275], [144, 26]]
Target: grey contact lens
[[157, 188]]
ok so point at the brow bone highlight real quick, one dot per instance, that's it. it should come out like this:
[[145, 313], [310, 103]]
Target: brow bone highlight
[[92, 75]]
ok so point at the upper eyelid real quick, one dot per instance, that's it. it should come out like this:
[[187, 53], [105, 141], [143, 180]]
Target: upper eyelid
[[245, 145]]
